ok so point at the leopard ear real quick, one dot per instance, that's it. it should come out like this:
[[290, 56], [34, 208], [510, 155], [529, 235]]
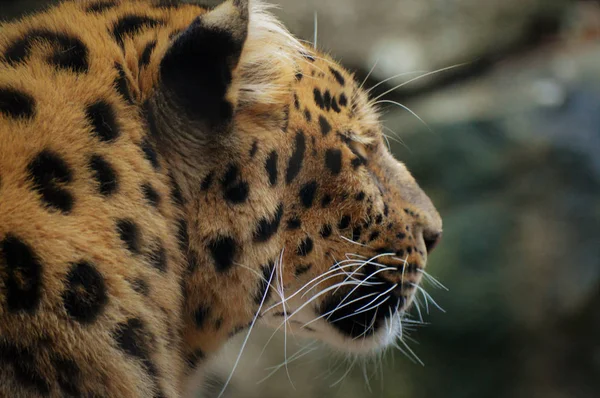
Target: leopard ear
[[197, 71]]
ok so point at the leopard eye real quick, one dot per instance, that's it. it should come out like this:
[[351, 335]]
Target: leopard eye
[[360, 143], [359, 149]]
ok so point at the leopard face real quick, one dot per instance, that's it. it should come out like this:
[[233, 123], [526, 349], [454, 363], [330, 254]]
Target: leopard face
[[359, 228]]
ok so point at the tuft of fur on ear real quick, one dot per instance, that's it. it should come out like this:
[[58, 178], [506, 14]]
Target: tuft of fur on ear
[[269, 60], [197, 70]]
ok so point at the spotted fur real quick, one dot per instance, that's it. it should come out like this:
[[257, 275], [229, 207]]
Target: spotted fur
[[160, 163]]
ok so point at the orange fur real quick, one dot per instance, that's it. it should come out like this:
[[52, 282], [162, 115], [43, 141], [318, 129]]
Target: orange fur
[[188, 311]]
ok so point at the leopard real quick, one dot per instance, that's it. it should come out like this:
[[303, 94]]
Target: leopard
[[172, 174]]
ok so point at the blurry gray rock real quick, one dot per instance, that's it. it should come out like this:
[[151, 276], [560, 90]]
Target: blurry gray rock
[[412, 35]]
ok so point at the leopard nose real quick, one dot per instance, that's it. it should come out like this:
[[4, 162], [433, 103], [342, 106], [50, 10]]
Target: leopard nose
[[431, 239]]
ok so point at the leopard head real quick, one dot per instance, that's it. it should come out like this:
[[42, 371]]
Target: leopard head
[[296, 213]]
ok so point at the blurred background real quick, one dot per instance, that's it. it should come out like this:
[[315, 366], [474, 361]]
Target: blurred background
[[507, 144]]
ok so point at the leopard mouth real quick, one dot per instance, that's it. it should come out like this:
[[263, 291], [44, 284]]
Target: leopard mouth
[[362, 312], [364, 307]]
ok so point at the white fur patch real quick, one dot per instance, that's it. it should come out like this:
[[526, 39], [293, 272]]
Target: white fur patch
[[269, 59]]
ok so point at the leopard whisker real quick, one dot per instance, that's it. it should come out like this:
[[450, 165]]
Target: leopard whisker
[[419, 77], [405, 262], [370, 261], [370, 276], [351, 276], [409, 350], [256, 315], [316, 31], [433, 280], [365, 281], [341, 303], [285, 324], [339, 307], [406, 108], [281, 293], [359, 261], [392, 78], [414, 322], [266, 345], [366, 376], [424, 299], [408, 338], [355, 254], [287, 317], [400, 314], [368, 75], [261, 277], [339, 362], [428, 296], [397, 138], [376, 298], [326, 275], [387, 142], [403, 351], [390, 322], [345, 374], [365, 310], [389, 137], [380, 357], [368, 328], [418, 307], [335, 275], [315, 297], [355, 242], [299, 354]]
